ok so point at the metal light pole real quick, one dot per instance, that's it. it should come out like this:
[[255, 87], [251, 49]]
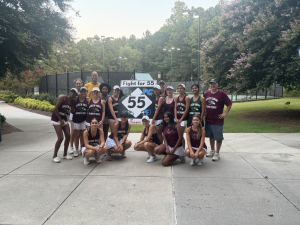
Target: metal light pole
[[187, 12], [170, 50], [102, 38]]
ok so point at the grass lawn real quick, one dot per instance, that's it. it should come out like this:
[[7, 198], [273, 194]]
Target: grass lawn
[[234, 124]]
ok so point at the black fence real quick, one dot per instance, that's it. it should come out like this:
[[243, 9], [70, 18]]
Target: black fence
[[61, 83]]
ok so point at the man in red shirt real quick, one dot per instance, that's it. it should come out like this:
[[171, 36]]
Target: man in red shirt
[[214, 117]]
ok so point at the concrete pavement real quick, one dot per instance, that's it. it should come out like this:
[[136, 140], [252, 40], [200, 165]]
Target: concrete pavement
[[255, 182]]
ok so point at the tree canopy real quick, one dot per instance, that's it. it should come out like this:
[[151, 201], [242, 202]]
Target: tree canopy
[[28, 30]]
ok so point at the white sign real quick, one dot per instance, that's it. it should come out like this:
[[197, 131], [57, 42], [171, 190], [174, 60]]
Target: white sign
[[136, 102], [138, 83]]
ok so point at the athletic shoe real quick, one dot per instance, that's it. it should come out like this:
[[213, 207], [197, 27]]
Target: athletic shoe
[[182, 158], [200, 162], [98, 160], [211, 153], [71, 150], [76, 153], [148, 157], [192, 163], [86, 161], [67, 156], [56, 160], [151, 159], [216, 157]]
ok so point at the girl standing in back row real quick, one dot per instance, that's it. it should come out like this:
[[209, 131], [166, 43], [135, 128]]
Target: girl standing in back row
[[96, 109], [159, 111], [197, 105]]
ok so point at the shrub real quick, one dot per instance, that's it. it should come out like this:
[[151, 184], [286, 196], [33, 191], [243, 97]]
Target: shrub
[[46, 96], [2, 119], [34, 104], [292, 93], [8, 97]]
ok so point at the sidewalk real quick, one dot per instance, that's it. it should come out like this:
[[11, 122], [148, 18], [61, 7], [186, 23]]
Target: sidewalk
[[255, 182]]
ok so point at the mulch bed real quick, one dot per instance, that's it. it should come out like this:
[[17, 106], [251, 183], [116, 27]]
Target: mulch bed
[[32, 110], [6, 128], [279, 116]]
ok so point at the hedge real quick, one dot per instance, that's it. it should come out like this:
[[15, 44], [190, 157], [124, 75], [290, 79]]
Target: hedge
[[8, 97], [34, 104]]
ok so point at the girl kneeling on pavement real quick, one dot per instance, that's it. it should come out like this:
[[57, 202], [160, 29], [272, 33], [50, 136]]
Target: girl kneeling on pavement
[[195, 136], [79, 117], [149, 140], [60, 122], [94, 143], [172, 147], [117, 141]]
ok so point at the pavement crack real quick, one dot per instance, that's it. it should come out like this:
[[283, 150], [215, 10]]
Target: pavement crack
[[174, 195]]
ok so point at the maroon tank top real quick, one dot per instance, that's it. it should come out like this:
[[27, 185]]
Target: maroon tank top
[[121, 131], [107, 111], [63, 110], [160, 114], [171, 136], [115, 105], [95, 111], [94, 141], [80, 113], [181, 105], [169, 107], [194, 141], [154, 137]]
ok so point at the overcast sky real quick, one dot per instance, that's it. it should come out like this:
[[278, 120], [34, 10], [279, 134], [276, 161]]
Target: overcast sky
[[117, 18]]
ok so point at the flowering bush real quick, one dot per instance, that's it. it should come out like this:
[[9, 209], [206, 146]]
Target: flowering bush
[[34, 104]]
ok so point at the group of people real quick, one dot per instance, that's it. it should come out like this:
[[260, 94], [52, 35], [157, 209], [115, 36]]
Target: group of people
[[93, 112]]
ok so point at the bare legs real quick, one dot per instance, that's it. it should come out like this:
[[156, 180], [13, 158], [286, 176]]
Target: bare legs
[[169, 158], [212, 145], [159, 133], [148, 147], [60, 137], [105, 130], [78, 136], [115, 149], [200, 156], [92, 153]]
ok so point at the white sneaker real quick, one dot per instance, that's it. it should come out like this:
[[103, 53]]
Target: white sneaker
[[71, 150], [76, 153], [98, 160], [148, 157], [192, 163], [152, 159], [67, 157], [182, 158], [200, 162], [86, 161], [56, 160], [216, 157], [211, 153]]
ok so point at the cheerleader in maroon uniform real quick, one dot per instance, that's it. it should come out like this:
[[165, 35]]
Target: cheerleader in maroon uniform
[[79, 117], [172, 146], [182, 105], [195, 136], [60, 122], [94, 143], [159, 111], [117, 141], [149, 140], [113, 104], [169, 101], [96, 109]]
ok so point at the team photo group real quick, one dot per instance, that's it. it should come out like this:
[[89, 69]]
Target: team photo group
[[92, 112]]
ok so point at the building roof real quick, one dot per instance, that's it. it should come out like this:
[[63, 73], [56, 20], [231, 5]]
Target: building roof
[[143, 76]]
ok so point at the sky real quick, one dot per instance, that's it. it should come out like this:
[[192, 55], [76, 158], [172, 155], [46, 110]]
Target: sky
[[117, 18]]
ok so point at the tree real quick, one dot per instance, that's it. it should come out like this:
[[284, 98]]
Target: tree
[[29, 28], [256, 45]]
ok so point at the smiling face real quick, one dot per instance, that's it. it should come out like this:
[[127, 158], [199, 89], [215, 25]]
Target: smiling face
[[116, 91], [180, 89], [145, 123], [124, 118], [213, 86], [78, 84], [166, 118], [94, 77], [195, 90], [162, 86], [94, 123], [170, 91], [96, 94], [72, 94], [104, 90], [83, 93], [156, 91], [196, 121]]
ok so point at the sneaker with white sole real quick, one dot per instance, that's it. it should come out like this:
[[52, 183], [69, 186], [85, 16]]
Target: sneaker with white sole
[[148, 157], [56, 160], [216, 157], [192, 163], [211, 153], [71, 150], [200, 162], [151, 159], [182, 159], [67, 157], [76, 153], [98, 160], [86, 161]]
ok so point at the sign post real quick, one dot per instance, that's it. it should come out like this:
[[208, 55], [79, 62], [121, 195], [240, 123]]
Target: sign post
[[139, 99]]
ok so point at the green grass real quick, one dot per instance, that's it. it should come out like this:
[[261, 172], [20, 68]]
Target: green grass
[[234, 124]]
